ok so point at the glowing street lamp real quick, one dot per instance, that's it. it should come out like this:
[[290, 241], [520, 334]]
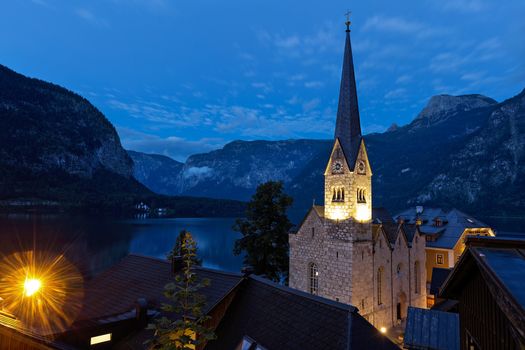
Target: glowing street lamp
[[32, 286]]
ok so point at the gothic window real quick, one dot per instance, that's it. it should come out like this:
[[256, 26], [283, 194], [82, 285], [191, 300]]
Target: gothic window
[[338, 194], [380, 286], [399, 268], [417, 277], [313, 232], [313, 278], [361, 195]]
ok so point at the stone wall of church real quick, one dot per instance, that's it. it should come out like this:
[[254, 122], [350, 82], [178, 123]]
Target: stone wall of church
[[382, 307], [418, 254], [332, 257]]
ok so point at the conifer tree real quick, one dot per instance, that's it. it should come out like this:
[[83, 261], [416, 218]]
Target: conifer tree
[[265, 232], [177, 248], [187, 330]]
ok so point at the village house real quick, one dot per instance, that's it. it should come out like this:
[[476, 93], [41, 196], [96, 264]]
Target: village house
[[487, 283], [445, 233]]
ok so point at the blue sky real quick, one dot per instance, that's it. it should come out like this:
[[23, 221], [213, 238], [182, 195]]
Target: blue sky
[[182, 77]]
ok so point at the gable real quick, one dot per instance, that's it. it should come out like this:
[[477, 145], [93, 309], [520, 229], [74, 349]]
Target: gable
[[362, 154], [336, 154]]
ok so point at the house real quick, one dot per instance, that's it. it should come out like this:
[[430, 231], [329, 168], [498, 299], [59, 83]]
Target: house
[[445, 233], [488, 283]]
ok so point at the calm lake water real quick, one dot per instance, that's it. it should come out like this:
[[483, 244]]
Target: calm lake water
[[94, 244]]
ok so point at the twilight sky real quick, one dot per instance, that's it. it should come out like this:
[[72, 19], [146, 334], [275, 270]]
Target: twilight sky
[[182, 77]]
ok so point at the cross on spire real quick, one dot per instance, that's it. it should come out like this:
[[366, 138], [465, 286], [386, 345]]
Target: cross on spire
[[347, 14]]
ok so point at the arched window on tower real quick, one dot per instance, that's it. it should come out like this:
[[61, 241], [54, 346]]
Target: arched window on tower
[[380, 279], [361, 195], [313, 278], [334, 197], [417, 277], [343, 194]]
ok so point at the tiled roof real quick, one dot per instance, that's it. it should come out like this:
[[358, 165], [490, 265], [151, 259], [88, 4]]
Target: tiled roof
[[115, 291], [454, 224], [391, 230], [439, 275], [431, 329], [278, 317]]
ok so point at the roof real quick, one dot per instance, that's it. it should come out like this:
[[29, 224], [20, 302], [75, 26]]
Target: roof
[[116, 290], [454, 223], [278, 317], [439, 275], [348, 125], [431, 329], [501, 263]]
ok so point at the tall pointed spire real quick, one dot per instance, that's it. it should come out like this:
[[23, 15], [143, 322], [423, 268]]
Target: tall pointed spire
[[348, 125]]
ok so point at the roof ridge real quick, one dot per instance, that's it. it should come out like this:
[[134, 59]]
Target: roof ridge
[[286, 289]]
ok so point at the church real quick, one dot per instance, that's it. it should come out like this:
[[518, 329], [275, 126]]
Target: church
[[346, 250]]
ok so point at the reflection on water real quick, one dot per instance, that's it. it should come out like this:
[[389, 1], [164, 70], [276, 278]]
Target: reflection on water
[[94, 244]]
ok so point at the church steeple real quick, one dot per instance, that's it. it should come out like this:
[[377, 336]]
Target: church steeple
[[348, 125]]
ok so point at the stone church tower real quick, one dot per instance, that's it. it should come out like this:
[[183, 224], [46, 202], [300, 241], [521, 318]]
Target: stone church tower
[[339, 251]]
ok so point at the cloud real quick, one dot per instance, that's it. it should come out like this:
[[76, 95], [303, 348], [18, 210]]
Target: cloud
[[172, 146], [313, 84], [90, 17], [396, 93], [466, 6], [399, 25], [403, 79]]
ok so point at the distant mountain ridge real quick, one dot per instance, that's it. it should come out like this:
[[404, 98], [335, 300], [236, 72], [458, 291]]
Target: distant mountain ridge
[[58, 151], [458, 152]]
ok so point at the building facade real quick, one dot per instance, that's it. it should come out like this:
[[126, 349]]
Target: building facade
[[445, 232], [340, 251]]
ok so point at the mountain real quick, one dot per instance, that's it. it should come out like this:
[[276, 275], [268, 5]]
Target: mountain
[[460, 151], [159, 173], [58, 151]]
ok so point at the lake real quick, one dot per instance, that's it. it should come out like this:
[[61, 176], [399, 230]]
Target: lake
[[94, 244]]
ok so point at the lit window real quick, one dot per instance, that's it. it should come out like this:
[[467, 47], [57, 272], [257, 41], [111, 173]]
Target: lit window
[[417, 277], [314, 279], [439, 259], [361, 195], [379, 285], [100, 339]]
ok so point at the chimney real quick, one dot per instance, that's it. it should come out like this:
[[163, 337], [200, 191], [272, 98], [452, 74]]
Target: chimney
[[141, 311], [176, 264]]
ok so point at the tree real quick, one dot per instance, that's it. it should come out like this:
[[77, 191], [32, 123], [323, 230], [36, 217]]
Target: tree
[[265, 232], [189, 330], [177, 248]]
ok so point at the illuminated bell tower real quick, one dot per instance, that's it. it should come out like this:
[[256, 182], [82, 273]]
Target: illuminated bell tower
[[348, 176]]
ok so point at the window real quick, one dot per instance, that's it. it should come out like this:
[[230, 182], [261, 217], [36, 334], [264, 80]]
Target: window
[[313, 232], [417, 277], [314, 279], [379, 285], [361, 195], [439, 259], [399, 268], [338, 194]]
